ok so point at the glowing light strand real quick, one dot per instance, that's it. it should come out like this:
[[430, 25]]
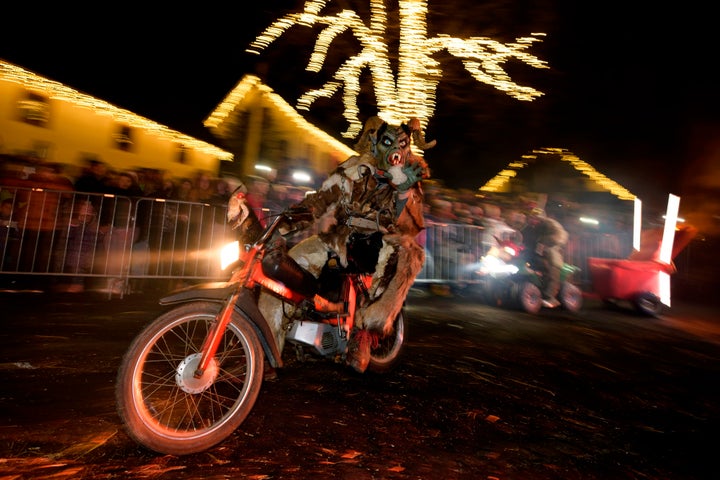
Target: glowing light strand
[[58, 91], [500, 181], [418, 73], [225, 109]]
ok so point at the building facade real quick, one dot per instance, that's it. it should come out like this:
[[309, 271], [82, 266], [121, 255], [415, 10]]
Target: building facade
[[262, 129], [49, 121]]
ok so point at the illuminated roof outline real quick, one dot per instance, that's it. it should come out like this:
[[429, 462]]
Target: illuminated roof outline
[[499, 181], [247, 84], [58, 91]]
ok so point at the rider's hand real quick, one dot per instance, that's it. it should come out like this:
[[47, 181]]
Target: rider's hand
[[414, 173]]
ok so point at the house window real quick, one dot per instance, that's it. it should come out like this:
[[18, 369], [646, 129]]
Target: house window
[[124, 138], [283, 149], [34, 109], [310, 152], [182, 154]]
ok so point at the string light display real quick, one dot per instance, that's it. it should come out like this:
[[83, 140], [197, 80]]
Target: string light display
[[500, 182], [249, 82], [58, 91], [413, 94]]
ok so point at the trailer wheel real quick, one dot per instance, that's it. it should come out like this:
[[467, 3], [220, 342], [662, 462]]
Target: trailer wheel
[[648, 304]]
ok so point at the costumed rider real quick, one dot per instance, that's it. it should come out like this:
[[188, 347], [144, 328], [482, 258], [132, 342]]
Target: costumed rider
[[376, 198], [544, 239]]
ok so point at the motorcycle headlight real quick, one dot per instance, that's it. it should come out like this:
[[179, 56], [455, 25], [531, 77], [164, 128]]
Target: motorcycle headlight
[[229, 254]]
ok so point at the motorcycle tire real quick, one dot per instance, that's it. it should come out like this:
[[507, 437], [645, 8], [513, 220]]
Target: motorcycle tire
[[528, 297], [386, 355], [163, 406], [571, 297]]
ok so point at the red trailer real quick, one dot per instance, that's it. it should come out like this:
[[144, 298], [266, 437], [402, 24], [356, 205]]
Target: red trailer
[[638, 279]]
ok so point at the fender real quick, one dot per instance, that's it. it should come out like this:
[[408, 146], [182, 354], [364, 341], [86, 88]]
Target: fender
[[219, 292]]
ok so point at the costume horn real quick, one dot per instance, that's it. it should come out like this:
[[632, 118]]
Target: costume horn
[[418, 136]]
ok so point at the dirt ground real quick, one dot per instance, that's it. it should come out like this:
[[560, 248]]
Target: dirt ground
[[482, 393]]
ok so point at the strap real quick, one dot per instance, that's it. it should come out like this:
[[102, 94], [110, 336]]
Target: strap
[[364, 223]]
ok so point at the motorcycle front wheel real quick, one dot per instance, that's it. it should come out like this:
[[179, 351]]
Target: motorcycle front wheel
[[388, 351], [163, 406]]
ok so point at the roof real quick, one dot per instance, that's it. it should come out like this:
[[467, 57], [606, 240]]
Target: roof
[[251, 85], [529, 170], [58, 91]]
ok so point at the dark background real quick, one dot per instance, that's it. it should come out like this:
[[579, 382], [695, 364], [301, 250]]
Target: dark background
[[631, 86]]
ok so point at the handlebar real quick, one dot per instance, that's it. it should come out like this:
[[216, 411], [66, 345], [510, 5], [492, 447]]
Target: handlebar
[[290, 215], [298, 213]]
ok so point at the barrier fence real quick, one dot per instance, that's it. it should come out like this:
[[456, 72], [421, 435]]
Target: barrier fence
[[115, 244]]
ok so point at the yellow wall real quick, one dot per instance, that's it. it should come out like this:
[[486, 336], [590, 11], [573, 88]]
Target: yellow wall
[[252, 100], [80, 126]]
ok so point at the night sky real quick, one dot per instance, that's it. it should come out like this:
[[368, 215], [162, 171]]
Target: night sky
[[631, 89]]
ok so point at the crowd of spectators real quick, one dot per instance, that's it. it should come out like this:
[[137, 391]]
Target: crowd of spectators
[[53, 217], [106, 219]]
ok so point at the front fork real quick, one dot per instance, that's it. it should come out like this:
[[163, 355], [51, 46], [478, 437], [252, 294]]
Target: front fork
[[357, 295], [354, 284], [216, 333]]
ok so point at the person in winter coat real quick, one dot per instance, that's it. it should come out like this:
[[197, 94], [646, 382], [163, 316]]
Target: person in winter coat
[[545, 239]]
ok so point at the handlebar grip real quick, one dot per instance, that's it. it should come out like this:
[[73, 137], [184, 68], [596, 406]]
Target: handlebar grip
[[298, 213], [297, 209]]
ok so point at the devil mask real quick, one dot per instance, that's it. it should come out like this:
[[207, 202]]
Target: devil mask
[[391, 146]]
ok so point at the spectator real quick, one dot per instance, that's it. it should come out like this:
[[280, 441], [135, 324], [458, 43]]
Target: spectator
[[202, 189], [150, 181], [477, 213], [94, 178], [496, 230], [441, 211], [277, 198], [168, 190], [516, 219], [221, 193], [184, 189], [201, 219], [162, 230], [40, 216], [82, 238], [258, 188], [442, 242], [219, 201], [121, 235], [9, 235]]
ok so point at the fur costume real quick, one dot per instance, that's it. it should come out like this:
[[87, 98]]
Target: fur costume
[[376, 191]]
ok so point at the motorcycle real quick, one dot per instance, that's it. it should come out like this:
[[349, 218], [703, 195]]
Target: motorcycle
[[191, 377], [506, 278]]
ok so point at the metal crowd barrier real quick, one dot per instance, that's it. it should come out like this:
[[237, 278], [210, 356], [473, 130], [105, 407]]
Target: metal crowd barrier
[[100, 242], [116, 244], [453, 252]]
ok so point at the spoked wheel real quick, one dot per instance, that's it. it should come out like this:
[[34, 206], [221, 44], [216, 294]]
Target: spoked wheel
[[389, 349], [163, 405], [529, 297], [571, 297]]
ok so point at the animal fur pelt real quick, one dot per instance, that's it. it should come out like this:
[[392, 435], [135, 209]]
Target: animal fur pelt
[[361, 197], [401, 259]]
